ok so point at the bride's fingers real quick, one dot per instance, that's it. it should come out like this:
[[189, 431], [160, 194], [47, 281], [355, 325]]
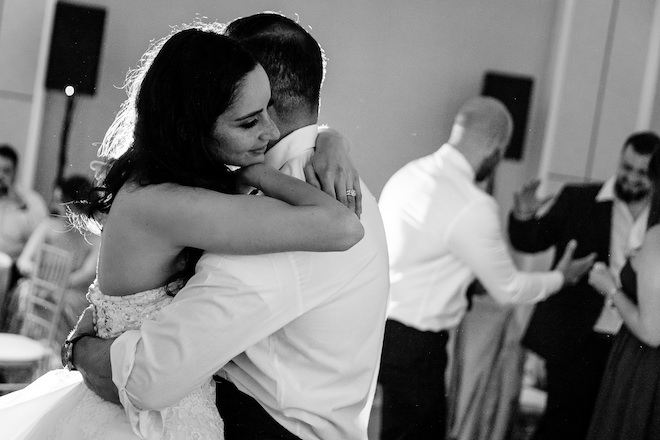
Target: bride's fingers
[[358, 196], [352, 202], [310, 176], [352, 194]]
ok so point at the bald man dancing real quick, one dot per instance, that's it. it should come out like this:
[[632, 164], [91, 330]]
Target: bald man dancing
[[442, 231]]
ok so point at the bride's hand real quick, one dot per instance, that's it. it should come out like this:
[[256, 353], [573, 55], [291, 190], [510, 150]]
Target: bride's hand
[[331, 169]]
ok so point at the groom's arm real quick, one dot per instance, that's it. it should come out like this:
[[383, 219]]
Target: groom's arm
[[91, 356], [211, 320]]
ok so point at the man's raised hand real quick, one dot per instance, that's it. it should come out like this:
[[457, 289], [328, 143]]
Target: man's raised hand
[[526, 203]]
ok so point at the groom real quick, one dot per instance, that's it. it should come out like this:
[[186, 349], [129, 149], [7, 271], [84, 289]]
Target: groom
[[298, 335]]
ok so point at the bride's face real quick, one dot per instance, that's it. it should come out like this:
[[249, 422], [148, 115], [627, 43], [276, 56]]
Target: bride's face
[[243, 131]]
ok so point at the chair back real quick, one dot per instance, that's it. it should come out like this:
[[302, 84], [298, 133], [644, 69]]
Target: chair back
[[45, 299]]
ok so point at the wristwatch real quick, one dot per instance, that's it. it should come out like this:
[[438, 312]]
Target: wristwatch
[[67, 352]]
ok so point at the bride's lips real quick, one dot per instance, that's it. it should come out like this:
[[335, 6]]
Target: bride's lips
[[259, 151]]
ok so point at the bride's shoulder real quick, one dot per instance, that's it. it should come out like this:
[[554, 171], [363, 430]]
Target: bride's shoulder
[[132, 193], [162, 203], [136, 199]]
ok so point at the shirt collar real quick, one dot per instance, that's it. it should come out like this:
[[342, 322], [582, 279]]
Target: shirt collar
[[449, 154], [606, 193], [294, 144]]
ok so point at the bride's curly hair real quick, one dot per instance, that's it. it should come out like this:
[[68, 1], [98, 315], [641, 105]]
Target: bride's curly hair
[[163, 131]]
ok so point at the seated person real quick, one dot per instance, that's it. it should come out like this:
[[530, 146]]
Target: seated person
[[70, 194], [20, 212]]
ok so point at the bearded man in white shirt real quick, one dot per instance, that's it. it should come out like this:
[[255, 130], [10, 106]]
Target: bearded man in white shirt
[[443, 231], [298, 335]]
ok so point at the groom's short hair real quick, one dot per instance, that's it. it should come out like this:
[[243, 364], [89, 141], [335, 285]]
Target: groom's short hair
[[292, 58]]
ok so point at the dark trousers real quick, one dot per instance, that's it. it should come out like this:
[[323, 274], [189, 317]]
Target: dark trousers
[[244, 417], [412, 377], [572, 388]]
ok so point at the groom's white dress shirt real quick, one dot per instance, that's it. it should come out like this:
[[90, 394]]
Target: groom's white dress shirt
[[301, 332]]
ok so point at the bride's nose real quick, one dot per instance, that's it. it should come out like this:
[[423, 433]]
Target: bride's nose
[[271, 132]]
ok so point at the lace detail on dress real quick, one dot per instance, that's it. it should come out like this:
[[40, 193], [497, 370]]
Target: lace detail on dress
[[117, 314], [195, 417]]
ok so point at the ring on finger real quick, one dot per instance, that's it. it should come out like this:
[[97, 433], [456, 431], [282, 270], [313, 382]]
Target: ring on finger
[[351, 192]]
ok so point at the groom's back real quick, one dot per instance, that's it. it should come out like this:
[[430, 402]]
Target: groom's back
[[316, 374]]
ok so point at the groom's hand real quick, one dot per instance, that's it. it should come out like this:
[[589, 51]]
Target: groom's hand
[[91, 356]]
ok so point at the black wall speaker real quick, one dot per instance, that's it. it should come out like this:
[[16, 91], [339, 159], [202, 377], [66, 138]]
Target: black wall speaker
[[515, 92], [75, 47]]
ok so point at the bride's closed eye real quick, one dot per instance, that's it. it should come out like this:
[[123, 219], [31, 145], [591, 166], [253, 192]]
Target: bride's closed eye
[[249, 124], [256, 119]]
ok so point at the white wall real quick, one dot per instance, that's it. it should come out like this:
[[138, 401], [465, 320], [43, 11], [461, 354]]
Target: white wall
[[605, 68], [397, 71], [24, 36]]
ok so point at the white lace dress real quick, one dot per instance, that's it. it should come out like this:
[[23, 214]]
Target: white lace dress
[[59, 406]]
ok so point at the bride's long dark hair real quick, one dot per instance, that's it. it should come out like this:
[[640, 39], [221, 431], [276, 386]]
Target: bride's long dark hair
[[163, 131]]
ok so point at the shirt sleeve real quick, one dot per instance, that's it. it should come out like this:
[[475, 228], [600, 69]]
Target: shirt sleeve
[[475, 237], [215, 317]]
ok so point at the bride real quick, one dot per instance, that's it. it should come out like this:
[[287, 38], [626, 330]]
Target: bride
[[196, 105]]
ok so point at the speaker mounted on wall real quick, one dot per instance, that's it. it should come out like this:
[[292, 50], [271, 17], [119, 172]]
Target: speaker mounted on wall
[[515, 92], [75, 48]]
